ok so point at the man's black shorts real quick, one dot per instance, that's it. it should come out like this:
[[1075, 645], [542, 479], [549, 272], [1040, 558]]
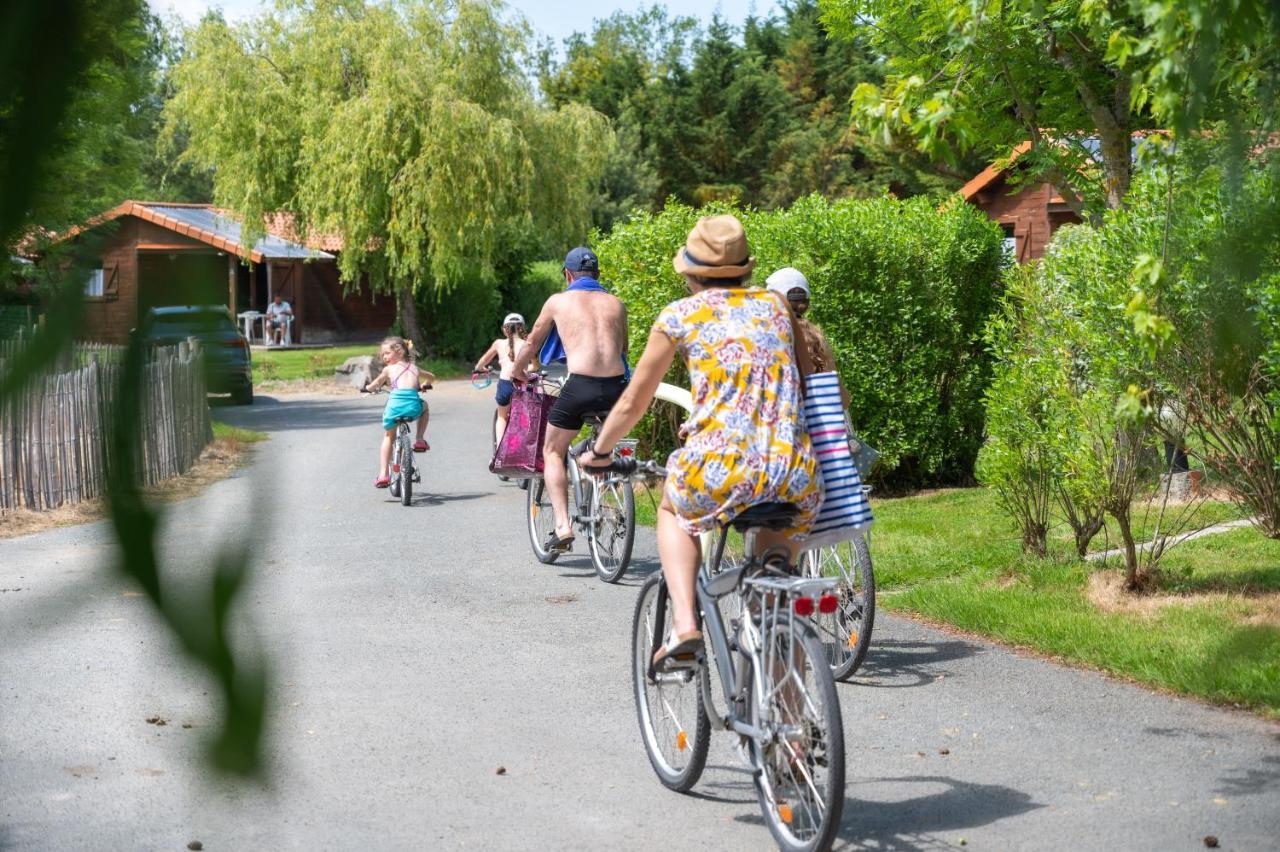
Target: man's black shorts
[[582, 394]]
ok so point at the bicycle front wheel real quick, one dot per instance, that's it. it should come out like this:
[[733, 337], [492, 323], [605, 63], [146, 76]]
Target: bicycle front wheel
[[673, 724], [613, 532], [846, 633], [406, 469], [800, 756], [542, 520]]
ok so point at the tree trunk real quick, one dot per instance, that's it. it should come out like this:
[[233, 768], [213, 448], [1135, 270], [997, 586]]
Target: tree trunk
[[1035, 539], [1117, 163], [407, 314], [1131, 580], [1089, 527]]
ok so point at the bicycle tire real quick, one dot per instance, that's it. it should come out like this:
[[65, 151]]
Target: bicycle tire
[[394, 487], [541, 520], [794, 822], [846, 633], [406, 469], [611, 542], [687, 737]]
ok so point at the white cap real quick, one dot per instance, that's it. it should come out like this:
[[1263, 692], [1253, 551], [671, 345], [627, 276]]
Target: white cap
[[787, 279], [513, 319]]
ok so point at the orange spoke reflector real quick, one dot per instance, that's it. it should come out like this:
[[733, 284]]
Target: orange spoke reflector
[[682, 741], [853, 639], [784, 811]]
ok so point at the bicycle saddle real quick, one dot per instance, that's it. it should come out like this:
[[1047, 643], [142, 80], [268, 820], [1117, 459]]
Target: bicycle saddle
[[596, 415], [772, 516], [405, 419]]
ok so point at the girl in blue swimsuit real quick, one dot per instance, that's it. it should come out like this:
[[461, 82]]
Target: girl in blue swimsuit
[[404, 380]]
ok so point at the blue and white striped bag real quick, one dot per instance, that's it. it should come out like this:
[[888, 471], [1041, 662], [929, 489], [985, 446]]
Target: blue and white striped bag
[[845, 512]]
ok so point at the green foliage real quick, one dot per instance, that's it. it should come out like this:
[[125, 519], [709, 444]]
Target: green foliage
[[58, 112], [901, 289], [463, 322], [986, 75], [407, 127], [756, 113]]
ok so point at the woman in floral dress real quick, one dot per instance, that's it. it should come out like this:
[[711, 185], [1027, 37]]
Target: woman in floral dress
[[745, 440]]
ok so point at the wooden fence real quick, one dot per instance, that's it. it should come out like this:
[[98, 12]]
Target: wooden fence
[[55, 436]]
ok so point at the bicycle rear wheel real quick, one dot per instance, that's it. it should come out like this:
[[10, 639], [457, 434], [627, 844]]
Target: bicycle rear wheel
[[406, 468], [800, 784], [673, 725], [613, 505], [541, 519], [846, 633], [395, 469]]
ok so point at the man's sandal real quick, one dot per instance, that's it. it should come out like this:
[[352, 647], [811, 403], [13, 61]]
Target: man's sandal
[[556, 544], [681, 647]]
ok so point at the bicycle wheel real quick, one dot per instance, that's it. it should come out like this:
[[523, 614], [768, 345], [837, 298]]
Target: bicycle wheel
[[800, 784], [675, 730], [542, 520], [395, 469], [613, 505], [406, 469], [846, 633]]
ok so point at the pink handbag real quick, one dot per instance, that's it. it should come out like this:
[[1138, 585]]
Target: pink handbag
[[519, 453]]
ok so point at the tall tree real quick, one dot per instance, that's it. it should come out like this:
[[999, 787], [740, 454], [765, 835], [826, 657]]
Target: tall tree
[[1076, 77], [407, 126]]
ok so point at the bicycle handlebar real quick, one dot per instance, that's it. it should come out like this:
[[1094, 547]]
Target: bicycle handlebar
[[623, 466]]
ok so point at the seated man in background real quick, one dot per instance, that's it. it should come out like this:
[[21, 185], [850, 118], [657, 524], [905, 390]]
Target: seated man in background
[[279, 313]]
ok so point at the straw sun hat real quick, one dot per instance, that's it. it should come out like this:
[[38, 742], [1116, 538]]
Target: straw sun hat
[[716, 248]]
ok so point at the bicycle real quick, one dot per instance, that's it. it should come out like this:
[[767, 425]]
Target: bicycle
[[602, 507], [776, 690], [846, 632], [404, 471]]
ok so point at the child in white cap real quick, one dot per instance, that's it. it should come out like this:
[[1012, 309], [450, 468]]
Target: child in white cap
[[792, 285]]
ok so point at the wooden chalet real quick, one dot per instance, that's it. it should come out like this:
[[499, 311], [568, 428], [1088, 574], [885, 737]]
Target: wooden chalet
[[1029, 213], [159, 253]]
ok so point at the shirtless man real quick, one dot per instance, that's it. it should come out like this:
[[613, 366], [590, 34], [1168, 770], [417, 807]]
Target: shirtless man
[[592, 327]]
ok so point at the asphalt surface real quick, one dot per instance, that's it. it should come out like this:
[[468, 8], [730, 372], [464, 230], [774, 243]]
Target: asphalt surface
[[416, 650]]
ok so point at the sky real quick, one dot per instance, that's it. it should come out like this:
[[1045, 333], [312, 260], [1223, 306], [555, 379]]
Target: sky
[[555, 18]]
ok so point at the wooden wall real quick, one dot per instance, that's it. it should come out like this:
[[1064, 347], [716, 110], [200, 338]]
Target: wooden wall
[[1027, 211]]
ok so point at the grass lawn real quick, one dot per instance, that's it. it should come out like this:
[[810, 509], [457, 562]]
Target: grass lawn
[[293, 364], [1212, 631], [227, 432]]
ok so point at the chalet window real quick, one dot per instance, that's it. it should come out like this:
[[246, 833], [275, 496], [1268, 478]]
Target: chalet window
[[93, 285], [1010, 243]]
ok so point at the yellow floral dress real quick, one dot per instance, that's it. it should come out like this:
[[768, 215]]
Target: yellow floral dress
[[746, 439]]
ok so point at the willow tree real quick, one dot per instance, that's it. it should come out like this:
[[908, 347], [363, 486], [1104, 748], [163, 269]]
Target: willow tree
[[408, 127]]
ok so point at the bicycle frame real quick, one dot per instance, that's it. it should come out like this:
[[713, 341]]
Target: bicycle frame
[[709, 589]]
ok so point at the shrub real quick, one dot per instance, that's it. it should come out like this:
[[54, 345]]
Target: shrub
[[901, 289], [464, 321]]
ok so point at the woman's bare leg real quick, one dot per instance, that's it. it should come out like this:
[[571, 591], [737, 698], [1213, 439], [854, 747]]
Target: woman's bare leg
[[679, 553]]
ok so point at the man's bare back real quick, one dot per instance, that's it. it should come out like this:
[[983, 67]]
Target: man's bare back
[[593, 328]]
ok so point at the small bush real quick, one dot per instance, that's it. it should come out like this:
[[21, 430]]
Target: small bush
[[902, 290]]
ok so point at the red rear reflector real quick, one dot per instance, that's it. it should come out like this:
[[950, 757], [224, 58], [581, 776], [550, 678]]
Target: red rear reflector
[[803, 606], [395, 468], [828, 604]]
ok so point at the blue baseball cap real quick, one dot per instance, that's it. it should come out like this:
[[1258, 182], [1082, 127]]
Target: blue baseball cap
[[581, 259]]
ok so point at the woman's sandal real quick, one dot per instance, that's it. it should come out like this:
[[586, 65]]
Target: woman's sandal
[[382, 482], [556, 544], [682, 647]]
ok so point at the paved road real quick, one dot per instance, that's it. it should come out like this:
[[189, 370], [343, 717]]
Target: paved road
[[417, 649]]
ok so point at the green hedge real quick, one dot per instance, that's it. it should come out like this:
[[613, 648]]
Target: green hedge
[[902, 290]]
